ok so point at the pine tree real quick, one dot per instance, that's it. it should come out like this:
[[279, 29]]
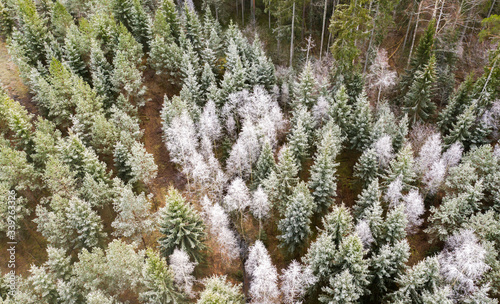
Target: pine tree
[[340, 110], [285, 178], [421, 278], [368, 197], [295, 226], [457, 103], [417, 102], [219, 290], [323, 171], [422, 56], [168, 9], [295, 281], [193, 28], [366, 168], [402, 167], [134, 219], [265, 164], [305, 90], [141, 24], [360, 129], [298, 141], [461, 130], [188, 236], [75, 49], [6, 19], [159, 281], [387, 265], [342, 289]]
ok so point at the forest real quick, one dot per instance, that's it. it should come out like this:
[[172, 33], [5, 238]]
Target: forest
[[249, 151]]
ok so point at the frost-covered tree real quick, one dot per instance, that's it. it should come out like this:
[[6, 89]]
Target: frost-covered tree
[[383, 147], [142, 164], [393, 192], [414, 209], [366, 168], [158, 281], [219, 225], [304, 90], [429, 153], [340, 110], [403, 166], [218, 290], [181, 226], [361, 126], [183, 269], [367, 198], [380, 76], [280, 183], [295, 281], [264, 283], [421, 278], [295, 226], [364, 233], [265, 164], [261, 206], [298, 141], [463, 262], [342, 289], [238, 197], [323, 171], [134, 219]]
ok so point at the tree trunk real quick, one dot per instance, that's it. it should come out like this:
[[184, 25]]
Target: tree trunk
[[303, 20], [491, 8], [414, 33], [440, 15], [269, 13], [243, 12], [291, 38], [407, 31], [330, 33], [253, 11], [371, 39], [323, 30]]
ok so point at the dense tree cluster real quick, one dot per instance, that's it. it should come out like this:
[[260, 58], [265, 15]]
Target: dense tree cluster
[[314, 180]]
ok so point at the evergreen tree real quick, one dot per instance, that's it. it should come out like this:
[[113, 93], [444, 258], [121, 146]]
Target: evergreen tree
[[342, 289], [421, 278], [395, 225], [193, 28], [295, 226], [284, 180], [181, 226], [387, 265], [218, 290], [323, 171], [298, 141], [422, 56], [349, 24], [304, 91], [265, 164], [402, 167], [159, 281], [340, 110], [366, 168], [417, 102], [367, 198], [361, 127], [457, 103]]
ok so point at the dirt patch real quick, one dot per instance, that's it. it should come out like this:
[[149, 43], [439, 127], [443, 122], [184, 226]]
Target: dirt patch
[[11, 80], [168, 175]]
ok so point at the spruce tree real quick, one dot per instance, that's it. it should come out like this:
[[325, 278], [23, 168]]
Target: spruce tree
[[403, 166], [367, 198], [265, 164], [366, 168], [181, 226], [323, 172], [298, 142], [422, 56], [360, 127], [340, 109], [295, 226], [304, 91], [285, 178], [457, 103], [418, 101]]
